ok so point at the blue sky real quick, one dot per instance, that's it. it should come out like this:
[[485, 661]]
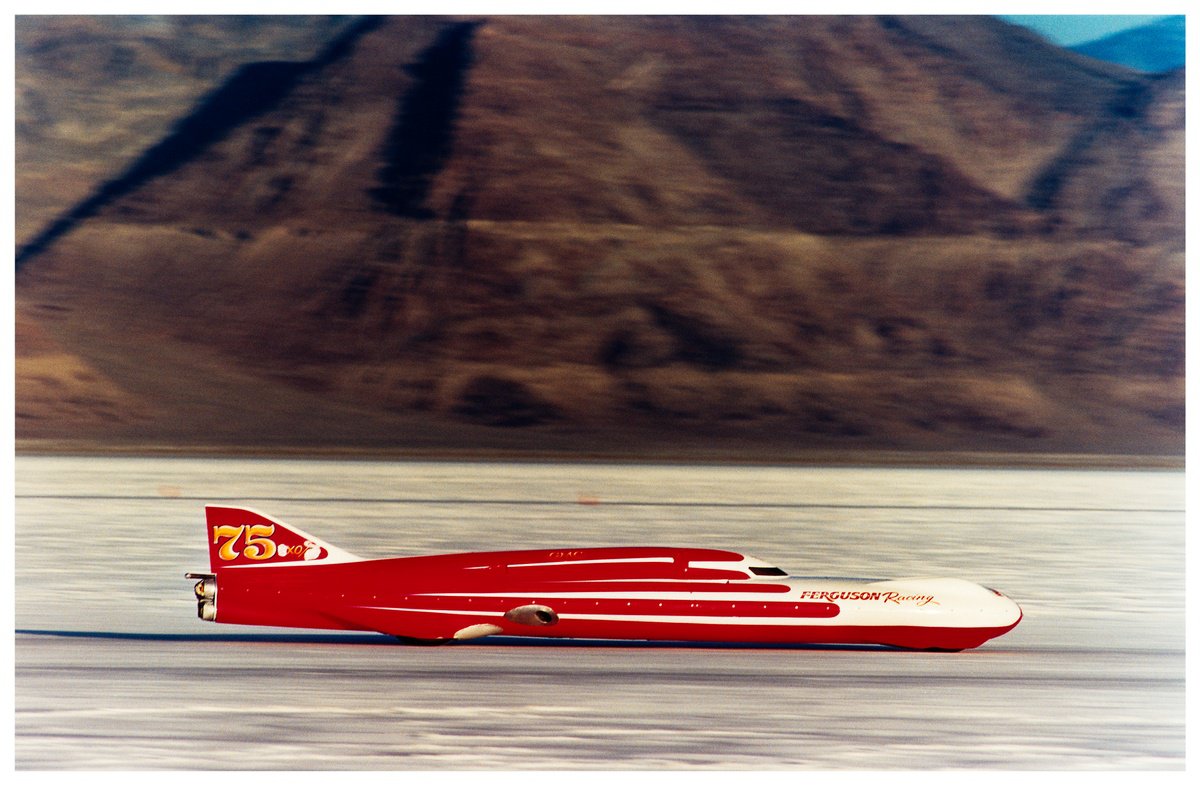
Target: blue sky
[[1068, 30]]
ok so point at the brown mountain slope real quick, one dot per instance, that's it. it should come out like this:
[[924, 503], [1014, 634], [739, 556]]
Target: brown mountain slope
[[747, 235], [93, 92]]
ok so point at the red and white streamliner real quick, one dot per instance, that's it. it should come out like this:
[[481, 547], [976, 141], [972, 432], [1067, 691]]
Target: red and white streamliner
[[264, 572]]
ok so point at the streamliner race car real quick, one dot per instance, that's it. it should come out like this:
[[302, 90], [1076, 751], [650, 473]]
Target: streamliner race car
[[264, 572]]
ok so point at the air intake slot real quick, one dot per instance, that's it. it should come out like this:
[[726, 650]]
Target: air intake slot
[[532, 614]]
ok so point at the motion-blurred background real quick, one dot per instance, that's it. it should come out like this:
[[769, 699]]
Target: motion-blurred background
[[660, 237]]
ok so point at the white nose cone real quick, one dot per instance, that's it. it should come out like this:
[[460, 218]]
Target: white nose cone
[[952, 603], [1007, 609]]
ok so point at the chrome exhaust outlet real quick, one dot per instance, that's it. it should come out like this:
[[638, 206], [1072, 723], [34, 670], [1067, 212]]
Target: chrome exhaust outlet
[[206, 589]]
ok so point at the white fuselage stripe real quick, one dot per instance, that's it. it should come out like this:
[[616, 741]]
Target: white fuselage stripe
[[683, 619], [748, 597], [618, 561]]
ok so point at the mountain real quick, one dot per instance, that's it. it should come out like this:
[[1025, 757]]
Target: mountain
[[93, 92], [716, 236], [1157, 47]]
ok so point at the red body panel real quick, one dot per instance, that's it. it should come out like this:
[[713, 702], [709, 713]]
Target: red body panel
[[679, 594]]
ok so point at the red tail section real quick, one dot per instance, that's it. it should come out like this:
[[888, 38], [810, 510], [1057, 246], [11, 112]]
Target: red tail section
[[240, 536]]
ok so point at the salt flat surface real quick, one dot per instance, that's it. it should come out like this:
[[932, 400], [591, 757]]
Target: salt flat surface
[[113, 670]]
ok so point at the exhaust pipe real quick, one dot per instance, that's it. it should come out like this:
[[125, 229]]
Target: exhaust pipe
[[206, 595], [206, 589]]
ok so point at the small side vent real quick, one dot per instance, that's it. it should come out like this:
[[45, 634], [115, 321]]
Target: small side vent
[[532, 614]]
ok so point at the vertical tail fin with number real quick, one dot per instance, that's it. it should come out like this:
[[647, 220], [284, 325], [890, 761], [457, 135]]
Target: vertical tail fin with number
[[240, 537]]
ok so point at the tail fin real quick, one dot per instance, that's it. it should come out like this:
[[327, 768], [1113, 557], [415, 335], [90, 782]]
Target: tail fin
[[240, 536]]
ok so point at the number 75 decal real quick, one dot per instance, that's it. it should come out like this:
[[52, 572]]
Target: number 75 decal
[[257, 543]]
